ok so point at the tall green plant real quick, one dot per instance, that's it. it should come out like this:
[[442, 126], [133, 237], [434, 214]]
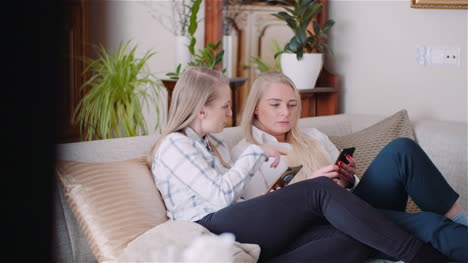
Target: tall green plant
[[209, 57], [262, 66], [298, 18], [189, 25], [192, 28], [118, 87]]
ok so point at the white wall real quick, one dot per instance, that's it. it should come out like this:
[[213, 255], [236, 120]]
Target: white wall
[[112, 21], [375, 57], [374, 44]]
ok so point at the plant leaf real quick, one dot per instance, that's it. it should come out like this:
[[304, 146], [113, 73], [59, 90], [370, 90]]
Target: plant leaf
[[328, 25]]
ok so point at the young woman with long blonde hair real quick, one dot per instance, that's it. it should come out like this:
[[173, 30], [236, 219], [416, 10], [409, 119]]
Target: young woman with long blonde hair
[[402, 168]]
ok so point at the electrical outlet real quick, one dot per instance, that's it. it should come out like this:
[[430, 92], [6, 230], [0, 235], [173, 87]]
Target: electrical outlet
[[452, 56], [429, 55], [421, 55]]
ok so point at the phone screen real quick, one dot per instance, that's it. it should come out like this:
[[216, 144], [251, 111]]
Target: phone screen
[[286, 177]]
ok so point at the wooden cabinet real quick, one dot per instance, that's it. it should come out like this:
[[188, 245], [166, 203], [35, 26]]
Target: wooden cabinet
[[75, 35], [251, 23]]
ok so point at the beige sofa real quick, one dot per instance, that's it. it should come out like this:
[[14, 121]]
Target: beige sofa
[[445, 142]]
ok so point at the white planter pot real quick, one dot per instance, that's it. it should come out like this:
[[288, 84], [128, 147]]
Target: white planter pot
[[303, 73], [183, 55]]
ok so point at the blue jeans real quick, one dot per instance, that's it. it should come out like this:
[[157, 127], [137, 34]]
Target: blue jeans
[[402, 168]]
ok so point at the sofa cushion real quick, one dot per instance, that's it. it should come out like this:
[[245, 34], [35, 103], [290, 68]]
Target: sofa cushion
[[185, 241], [370, 141], [114, 202]]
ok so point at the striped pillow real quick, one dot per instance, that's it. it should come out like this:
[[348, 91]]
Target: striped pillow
[[114, 202]]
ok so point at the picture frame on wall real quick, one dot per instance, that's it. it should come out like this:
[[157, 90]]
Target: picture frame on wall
[[440, 4]]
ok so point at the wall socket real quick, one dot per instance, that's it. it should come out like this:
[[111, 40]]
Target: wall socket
[[430, 55]]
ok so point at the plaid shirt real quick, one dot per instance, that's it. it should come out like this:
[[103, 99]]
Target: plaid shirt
[[192, 180]]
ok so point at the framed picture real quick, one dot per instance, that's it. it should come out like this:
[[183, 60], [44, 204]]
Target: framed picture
[[440, 4]]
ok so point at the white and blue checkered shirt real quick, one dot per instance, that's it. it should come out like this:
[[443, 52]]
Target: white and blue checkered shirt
[[192, 180]]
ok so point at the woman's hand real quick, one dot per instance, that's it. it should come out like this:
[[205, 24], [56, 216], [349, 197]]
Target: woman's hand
[[346, 172], [274, 189], [271, 151], [330, 171]]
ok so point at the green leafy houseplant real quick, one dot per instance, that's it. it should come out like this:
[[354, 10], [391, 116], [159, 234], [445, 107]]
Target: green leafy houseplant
[[262, 66], [192, 25], [209, 57], [118, 88], [298, 18], [187, 13]]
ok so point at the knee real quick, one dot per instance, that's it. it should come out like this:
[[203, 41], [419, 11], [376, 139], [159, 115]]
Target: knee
[[402, 145]]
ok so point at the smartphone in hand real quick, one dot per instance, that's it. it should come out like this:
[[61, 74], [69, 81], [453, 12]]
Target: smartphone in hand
[[285, 177], [343, 153]]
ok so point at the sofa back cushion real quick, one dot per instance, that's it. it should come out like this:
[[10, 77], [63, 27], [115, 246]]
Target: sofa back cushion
[[114, 202], [370, 141]]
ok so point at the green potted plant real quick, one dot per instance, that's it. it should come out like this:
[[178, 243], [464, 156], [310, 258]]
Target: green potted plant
[[302, 56], [185, 40], [209, 57], [117, 90], [262, 66]]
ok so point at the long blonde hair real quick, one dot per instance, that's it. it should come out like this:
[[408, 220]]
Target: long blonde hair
[[194, 89], [305, 150]]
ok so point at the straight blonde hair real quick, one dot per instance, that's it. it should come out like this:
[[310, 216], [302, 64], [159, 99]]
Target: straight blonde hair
[[305, 151], [195, 88]]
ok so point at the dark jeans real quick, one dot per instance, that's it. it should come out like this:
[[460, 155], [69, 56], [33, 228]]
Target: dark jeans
[[286, 225], [402, 168]]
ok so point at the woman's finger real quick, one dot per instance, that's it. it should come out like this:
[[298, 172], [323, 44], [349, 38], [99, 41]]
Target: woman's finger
[[346, 168], [277, 157], [351, 161]]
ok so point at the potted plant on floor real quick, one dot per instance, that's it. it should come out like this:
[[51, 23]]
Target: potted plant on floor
[[302, 56], [118, 89]]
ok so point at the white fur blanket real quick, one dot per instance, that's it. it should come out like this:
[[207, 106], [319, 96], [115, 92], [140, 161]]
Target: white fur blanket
[[183, 241]]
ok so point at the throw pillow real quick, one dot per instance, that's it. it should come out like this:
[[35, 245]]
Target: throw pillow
[[370, 141], [184, 241], [114, 202]]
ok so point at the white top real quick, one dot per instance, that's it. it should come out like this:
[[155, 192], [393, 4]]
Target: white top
[[264, 177], [192, 180]]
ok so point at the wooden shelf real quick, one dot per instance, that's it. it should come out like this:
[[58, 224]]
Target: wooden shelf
[[319, 101], [319, 90]]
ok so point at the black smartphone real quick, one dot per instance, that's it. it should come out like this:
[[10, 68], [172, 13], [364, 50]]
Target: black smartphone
[[343, 153], [285, 177]]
